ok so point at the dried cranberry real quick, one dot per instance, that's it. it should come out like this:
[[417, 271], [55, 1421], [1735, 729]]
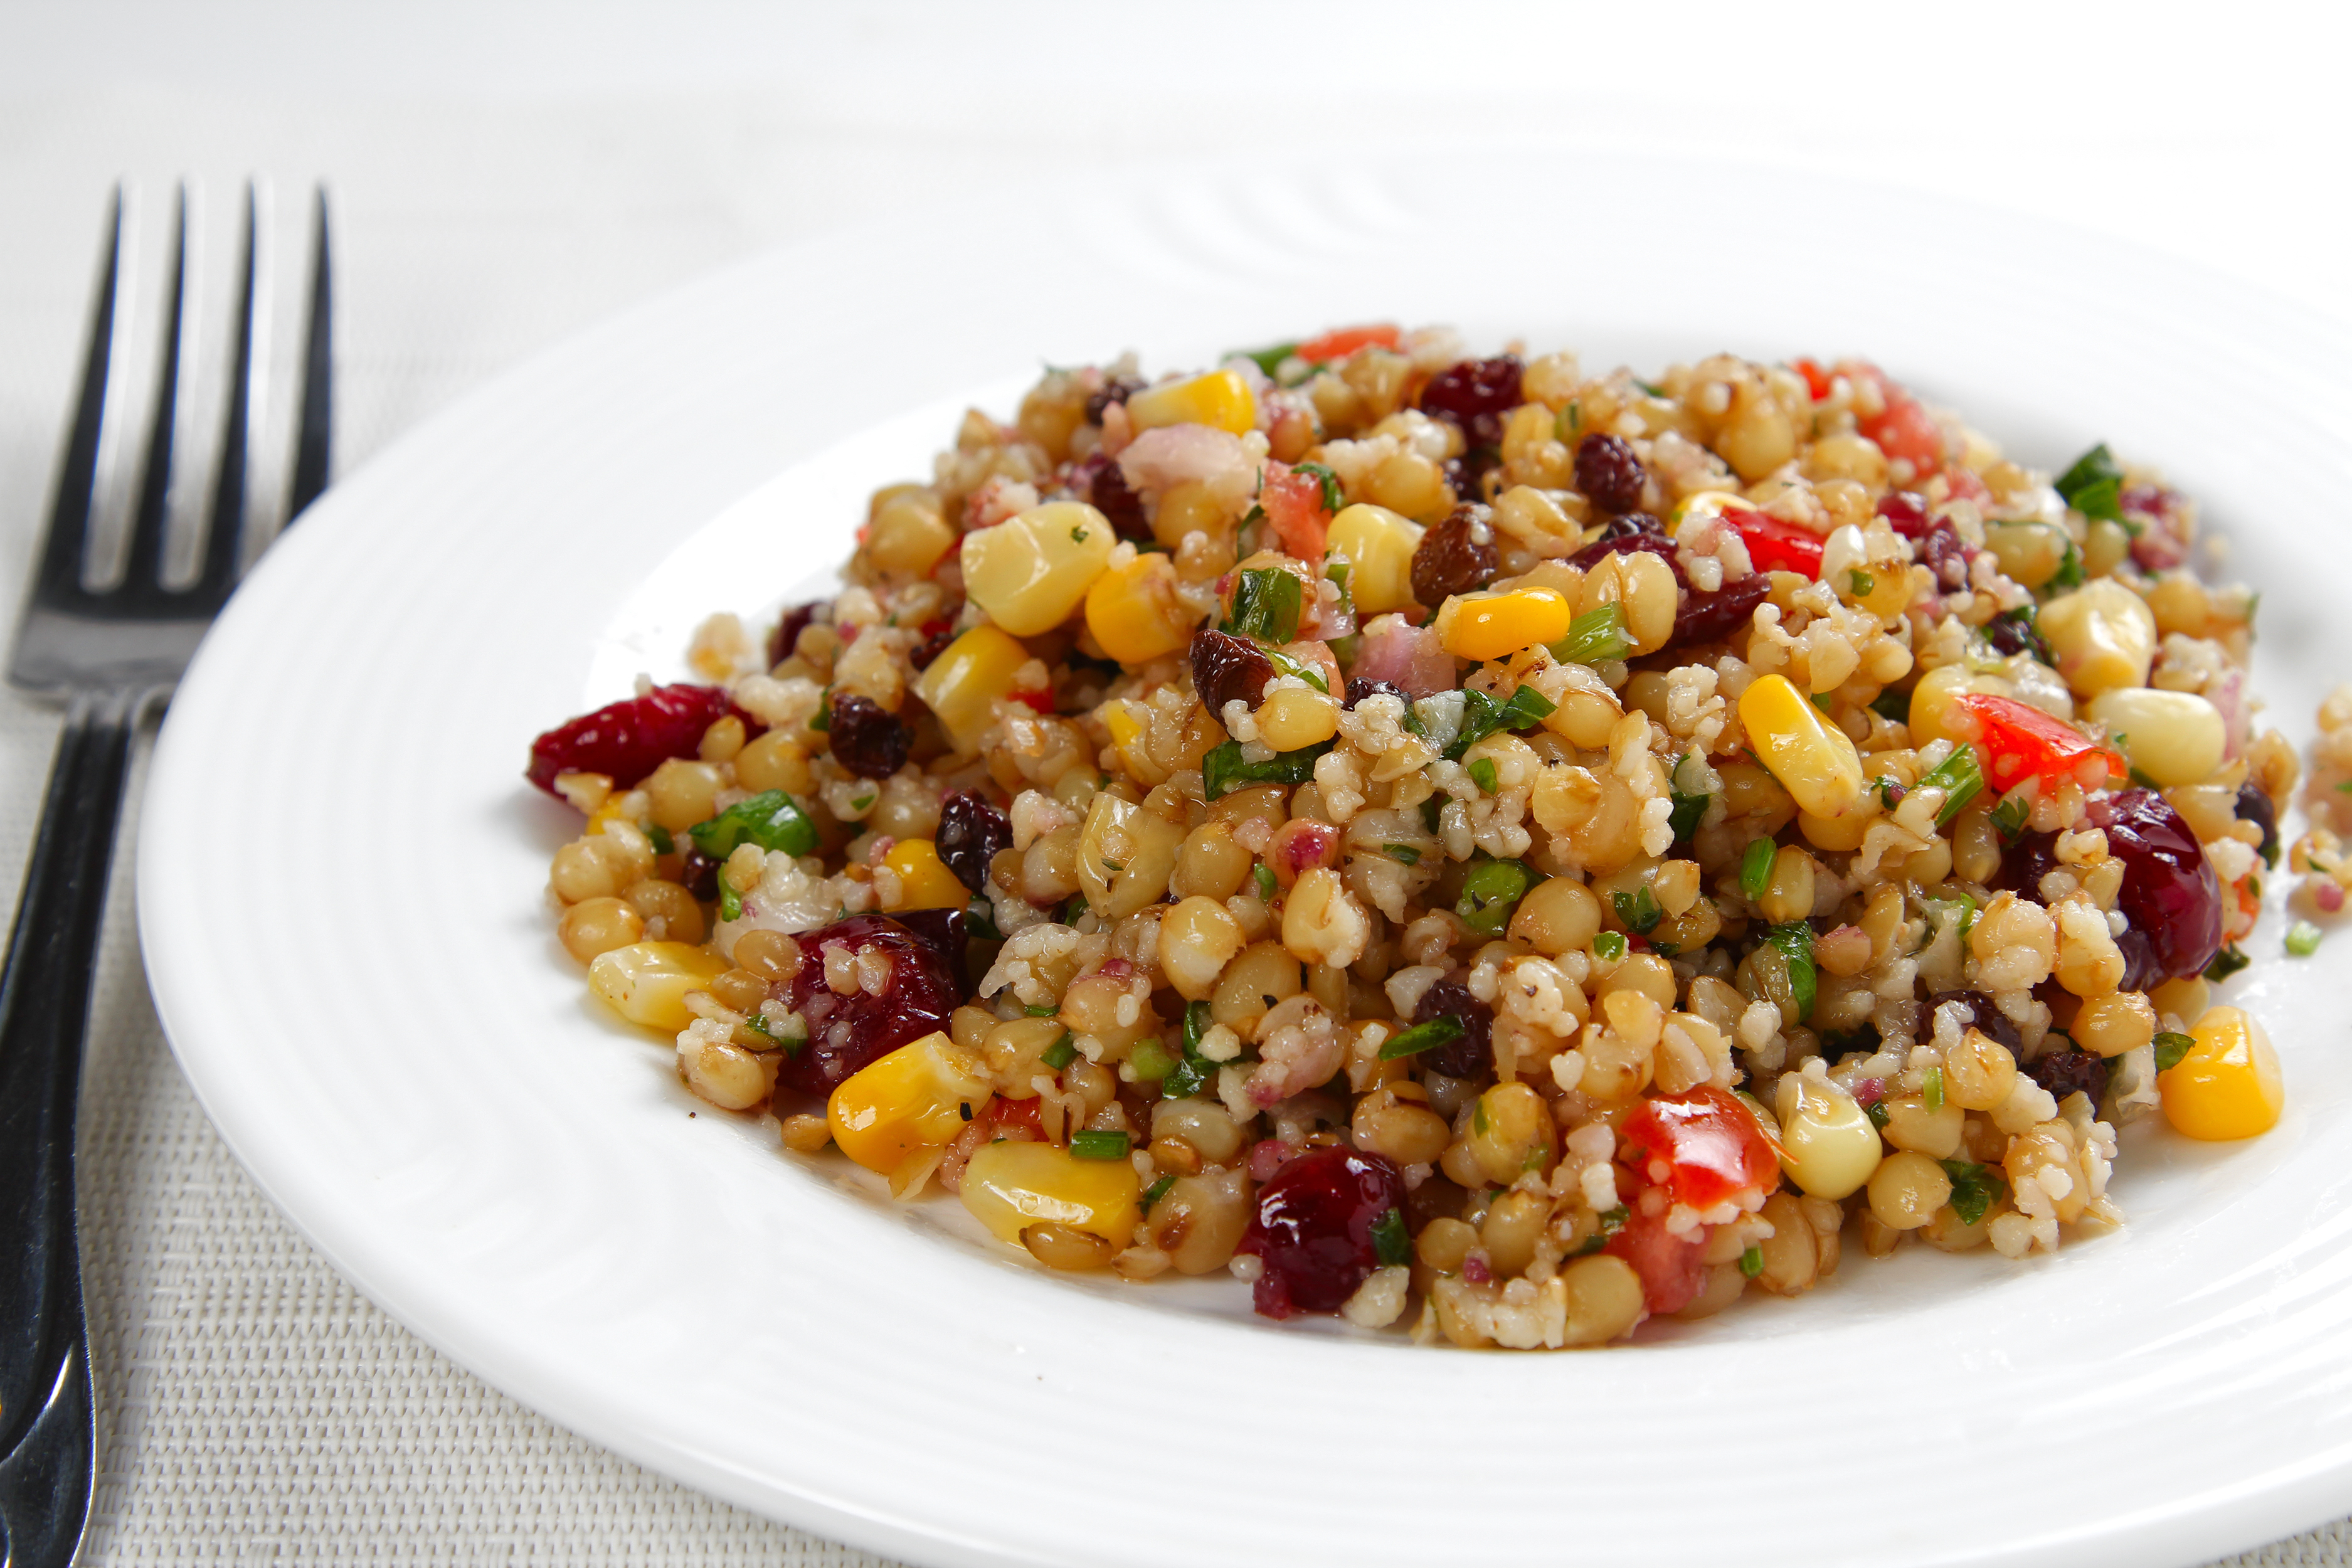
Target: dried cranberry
[[1906, 513], [947, 933], [2015, 634], [1473, 1054], [845, 1033], [1109, 492], [1359, 688], [1983, 1017], [1313, 1229], [937, 635], [1465, 475], [1475, 393], [867, 738], [2255, 806], [1945, 554], [1610, 472], [1456, 557], [626, 741], [788, 630], [1227, 668], [1711, 617], [1116, 390], [2170, 895], [972, 833], [2064, 1071]]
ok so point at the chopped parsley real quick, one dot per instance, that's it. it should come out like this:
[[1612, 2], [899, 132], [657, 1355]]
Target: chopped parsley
[[1286, 665], [1491, 891], [1390, 1245], [1266, 605], [1482, 773], [1442, 1030], [1267, 360], [1795, 941], [1611, 1222], [2095, 485], [1150, 1060], [2226, 963], [1609, 946], [2171, 1047], [1195, 1071], [1222, 771], [660, 836], [1639, 910], [1321, 473], [1893, 706], [2009, 818], [1755, 868], [1974, 1188], [1482, 716], [769, 819]]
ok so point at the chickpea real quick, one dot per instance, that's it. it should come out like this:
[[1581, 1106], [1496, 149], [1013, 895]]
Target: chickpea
[[1908, 1189], [596, 926], [1445, 1243], [771, 955], [681, 793], [774, 761], [2118, 1022], [1604, 1300], [1209, 864], [1979, 1075], [1560, 916], [1294, 718], [1264, 974], [671, 904], [580, 873], [1514, 1224], [1205, 1124], [738, 989], [1197, 939]]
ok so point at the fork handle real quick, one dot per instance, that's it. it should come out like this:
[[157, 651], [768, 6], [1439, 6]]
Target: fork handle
[[47, 1439]]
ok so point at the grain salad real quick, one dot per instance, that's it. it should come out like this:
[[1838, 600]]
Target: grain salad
[[1465, 844]]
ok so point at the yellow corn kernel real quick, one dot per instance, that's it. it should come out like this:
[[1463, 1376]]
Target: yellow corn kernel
[[1134, 613], [1378, 543], [1811, 757], [646, 982], [919, 1096], [1011, 1186], [1827, 1144], [1495, 626], [924, 881], [1221, 399], [1932, 717], [2103, 635], [907, 534], [2173, 737], [2228, 1085], [963, 684], [1032, 570]]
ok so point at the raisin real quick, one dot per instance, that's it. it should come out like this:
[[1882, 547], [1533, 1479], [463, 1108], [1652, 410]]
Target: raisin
[[1471, 1056], [1632, 525], [1118, 389], [2007, 636], [1227, 668], [1312, 1229], [1984, 1017], [2257, 807], [972, 832], [845, 1033], [788, 631], [1711, 617], [699, 875], [867, 738], [626, 741], [1636, 541], [1456, 557], [1475, 393], [1358, 688], [1465, 475], [2170, 894], [937, 635], [1906, 513], [2064, 1071], [2023, 865], [1108, 493], [1609, 473]]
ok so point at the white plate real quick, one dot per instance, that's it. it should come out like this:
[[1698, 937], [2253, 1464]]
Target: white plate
[[339, 878]]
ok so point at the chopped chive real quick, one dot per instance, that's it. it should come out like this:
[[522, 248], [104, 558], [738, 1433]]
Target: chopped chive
[[1751, 1262], [1155, 1191], [1960, 778], [1482, 773], [1862, 583], [1267, 360], [1405, 854], [821, 718], [662, 842], [1071, 911], [1491, 890], [1878, 1114], [1931, 1089], [1442, 1030], [1431, 810], [1593, 638], [769, 819], [1611, 1224], [2303, 939], [1755, 868], [1795, 941], [1893, 706], [1150, 1060], [1390, 1245], [1609, 946], [2171, 1047], [1098, 1145], [1060, 1054], [1044, 1010]]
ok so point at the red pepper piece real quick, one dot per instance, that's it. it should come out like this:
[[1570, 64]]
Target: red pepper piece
[[2019, 741], [1341, 341], [1294, 505], [1777, 546], [1708, 1143]]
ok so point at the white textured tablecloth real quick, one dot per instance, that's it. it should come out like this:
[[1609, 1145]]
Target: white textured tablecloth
[[504, 174]]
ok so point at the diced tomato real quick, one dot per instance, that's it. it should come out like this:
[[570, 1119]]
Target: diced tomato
[[1902, 429], [1042, 702], [1341, 341], [1777, 546], [2019, 741], [1817, 380], [1669, 1264], [1963, 485], [1709, 1143], [1294, 505]]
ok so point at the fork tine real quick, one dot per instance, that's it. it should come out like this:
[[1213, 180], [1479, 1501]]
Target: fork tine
[[225, 527], [142, 576], [318, 394], [60, 579]]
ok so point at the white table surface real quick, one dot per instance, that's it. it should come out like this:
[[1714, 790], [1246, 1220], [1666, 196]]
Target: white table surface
[[506, 174]]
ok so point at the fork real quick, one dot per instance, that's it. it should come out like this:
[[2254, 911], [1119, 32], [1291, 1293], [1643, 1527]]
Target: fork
[[112, 653]]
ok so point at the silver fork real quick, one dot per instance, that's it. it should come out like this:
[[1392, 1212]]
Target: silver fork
[[111, 654]]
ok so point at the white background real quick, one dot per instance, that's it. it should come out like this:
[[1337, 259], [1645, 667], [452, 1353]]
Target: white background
[[505, 174]]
